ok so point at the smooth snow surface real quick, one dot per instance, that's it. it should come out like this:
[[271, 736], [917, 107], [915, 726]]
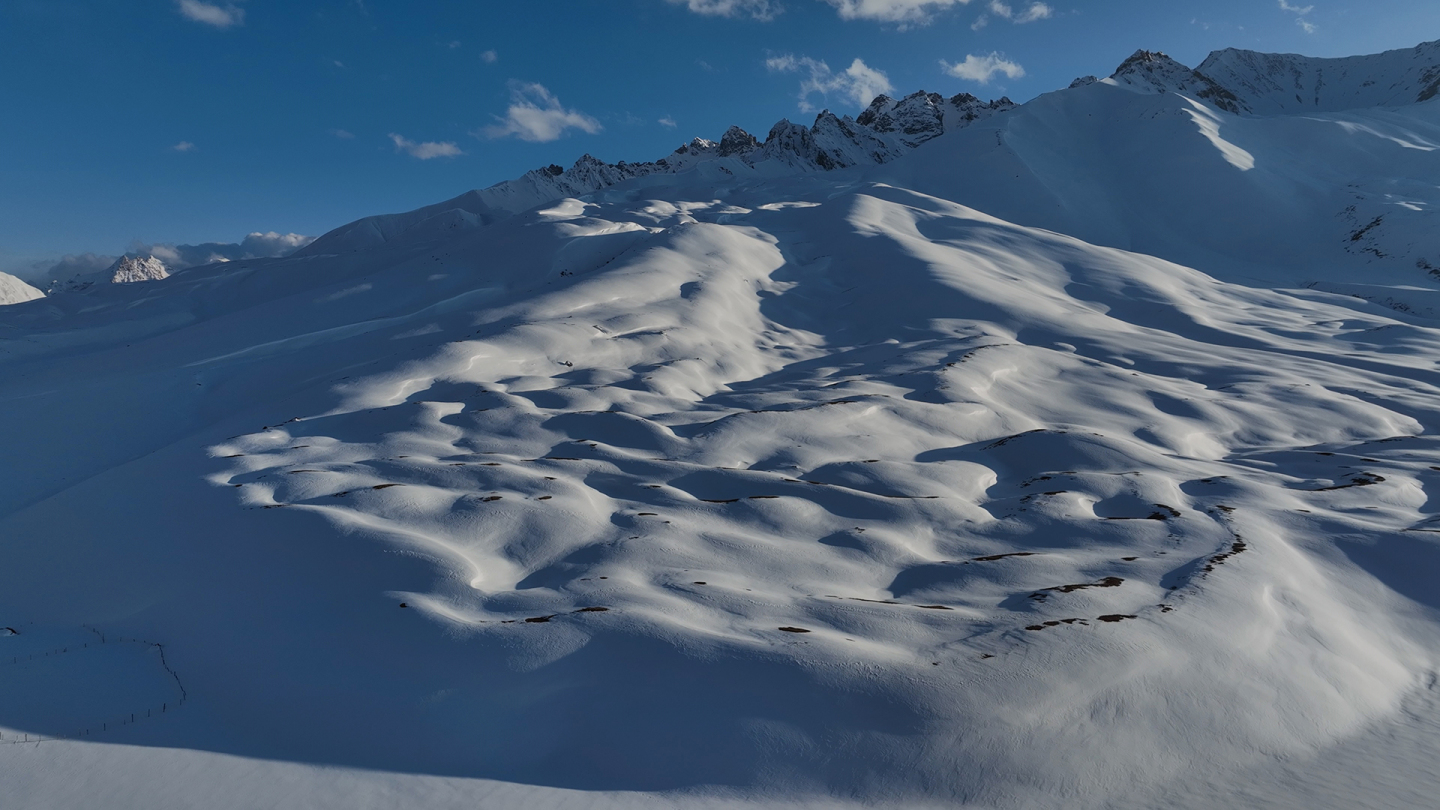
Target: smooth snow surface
[[807, 490], [14, 291]]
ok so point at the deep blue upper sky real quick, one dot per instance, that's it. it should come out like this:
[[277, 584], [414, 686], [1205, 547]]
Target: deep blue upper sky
[[201, 120]]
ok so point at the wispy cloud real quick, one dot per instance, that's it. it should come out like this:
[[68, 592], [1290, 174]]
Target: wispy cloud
[[896, 11], [668, 122], [858, 83], [983, 68], [342, 134], [1003, 10], [1300, 13], [184, 146], [489, 57], [537, 116], [426, 150], [210, 13], [759, 9]]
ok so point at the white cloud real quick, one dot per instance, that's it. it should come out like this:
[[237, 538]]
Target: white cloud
[[210, 13], [669, 122], [490, 57], [897, 11], [859, 83], [759, 9], [1300, 12], [1036, 11], [426, 150], [453, 44], [983, 68], [184, 146], [537, 116], [1003, 10]]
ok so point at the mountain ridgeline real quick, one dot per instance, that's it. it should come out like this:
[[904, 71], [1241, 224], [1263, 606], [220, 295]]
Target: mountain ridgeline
[[1234, 81]]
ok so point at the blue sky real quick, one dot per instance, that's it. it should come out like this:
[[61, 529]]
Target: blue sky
[[138, 121]]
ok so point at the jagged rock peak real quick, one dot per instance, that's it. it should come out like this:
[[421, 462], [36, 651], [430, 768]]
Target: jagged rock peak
[[696, 146], [1155, 72], [1084, 81], [1143, 57], [737, 141], [132, 269]]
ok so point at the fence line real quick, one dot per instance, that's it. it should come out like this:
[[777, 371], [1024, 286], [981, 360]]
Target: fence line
[[24, 738]]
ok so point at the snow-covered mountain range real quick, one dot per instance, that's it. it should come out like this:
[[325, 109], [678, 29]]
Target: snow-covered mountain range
[[960, 454]]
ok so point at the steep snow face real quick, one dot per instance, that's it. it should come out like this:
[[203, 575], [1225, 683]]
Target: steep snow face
[[132, 269], [1274, 84], [1344, 197], [15, 291]]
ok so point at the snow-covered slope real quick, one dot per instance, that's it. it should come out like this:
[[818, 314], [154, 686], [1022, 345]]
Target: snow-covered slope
[[786, 488], [1343, 197], [1248, 82], [14, 291], [1273, 84], [887, 129]]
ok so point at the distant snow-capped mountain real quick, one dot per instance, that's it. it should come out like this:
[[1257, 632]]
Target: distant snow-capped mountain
[[1248, 82], [1234, 81], [132, 269], [1274, 84], [15, 291], [125, 270]]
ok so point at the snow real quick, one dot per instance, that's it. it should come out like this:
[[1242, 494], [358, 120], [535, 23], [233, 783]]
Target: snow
[[132, 269], [1273, 84], [14, 291], [1059, 458]]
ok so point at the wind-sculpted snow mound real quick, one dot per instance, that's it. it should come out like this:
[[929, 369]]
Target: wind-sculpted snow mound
[[929, 458], [802, 494]]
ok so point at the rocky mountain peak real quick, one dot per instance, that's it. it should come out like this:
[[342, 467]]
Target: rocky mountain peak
[[1156, 72], [132, 269], [737, 141]]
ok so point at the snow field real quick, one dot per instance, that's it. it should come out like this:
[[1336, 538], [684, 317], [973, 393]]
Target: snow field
[[720, 488]]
